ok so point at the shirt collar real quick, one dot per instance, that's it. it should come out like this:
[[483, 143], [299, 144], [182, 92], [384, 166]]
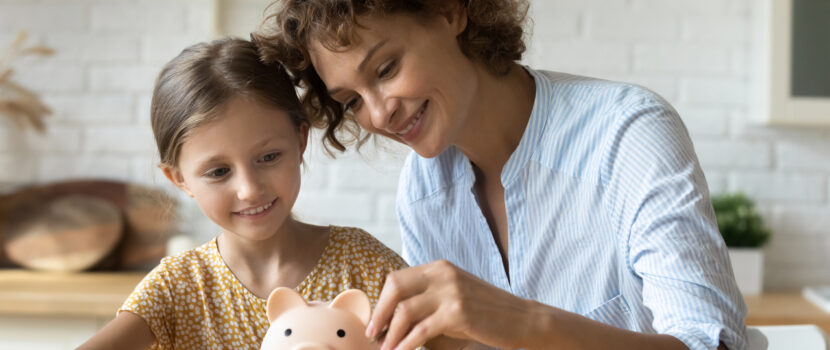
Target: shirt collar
[[533, 131]]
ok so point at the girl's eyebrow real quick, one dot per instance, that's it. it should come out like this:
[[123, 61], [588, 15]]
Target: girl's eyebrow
[[264, 141], [362, 65], [211, 159], [217, 157]]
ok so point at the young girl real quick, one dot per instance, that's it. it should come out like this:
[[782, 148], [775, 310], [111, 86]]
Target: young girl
[[231, 135]]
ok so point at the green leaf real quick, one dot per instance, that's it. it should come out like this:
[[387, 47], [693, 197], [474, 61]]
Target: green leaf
[[739, 222]]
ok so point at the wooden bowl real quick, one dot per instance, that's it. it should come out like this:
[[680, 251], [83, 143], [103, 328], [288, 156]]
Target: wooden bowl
[[65, 233]]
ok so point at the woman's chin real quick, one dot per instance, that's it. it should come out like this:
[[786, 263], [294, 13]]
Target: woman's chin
[[427, 152]]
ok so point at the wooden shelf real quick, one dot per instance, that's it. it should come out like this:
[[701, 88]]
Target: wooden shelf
[[92, 294], [784, 308]]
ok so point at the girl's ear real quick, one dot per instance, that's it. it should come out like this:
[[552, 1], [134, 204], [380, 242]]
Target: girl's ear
[[281, 300], [175, 176]]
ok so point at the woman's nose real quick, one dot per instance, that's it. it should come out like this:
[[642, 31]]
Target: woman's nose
[[382, 111]]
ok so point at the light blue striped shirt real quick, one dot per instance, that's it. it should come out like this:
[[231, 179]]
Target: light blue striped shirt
[[608, 215]]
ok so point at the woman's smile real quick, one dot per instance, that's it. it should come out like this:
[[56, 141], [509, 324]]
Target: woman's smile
[[411, 131]]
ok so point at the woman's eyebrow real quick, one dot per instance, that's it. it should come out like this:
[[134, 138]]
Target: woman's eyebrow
[[369, 54], [362, 65]]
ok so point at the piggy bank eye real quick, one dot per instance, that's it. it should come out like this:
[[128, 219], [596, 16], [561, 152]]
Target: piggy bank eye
[[287, 332], [341, 333]]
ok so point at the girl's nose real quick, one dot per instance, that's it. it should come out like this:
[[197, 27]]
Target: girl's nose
[[249, 187]]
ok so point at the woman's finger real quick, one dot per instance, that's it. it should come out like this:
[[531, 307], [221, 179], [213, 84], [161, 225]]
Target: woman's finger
[[408, 313], [399, 285], [421, 333]]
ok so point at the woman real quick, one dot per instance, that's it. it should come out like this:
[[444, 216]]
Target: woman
[[539, 209]]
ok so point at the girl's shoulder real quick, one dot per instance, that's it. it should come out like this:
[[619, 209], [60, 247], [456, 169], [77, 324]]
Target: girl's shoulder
[[193, 265], [205, 252], [347, 243], [353, 259]]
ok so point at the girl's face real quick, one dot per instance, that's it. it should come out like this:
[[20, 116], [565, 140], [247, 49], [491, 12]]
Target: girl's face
[[405, 78], [243, 168]]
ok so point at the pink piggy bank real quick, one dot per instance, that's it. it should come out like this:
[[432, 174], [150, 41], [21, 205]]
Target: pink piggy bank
[[297, 325]]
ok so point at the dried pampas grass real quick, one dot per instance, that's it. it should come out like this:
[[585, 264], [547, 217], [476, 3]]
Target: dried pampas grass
[[17, 102]]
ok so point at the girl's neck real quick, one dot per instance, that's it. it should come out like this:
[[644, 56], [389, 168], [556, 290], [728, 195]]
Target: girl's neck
[[283, 260], [496, 125]]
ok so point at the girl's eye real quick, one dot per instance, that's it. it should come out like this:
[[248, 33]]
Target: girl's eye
[[218, 172], [270, 157], [386, 69]]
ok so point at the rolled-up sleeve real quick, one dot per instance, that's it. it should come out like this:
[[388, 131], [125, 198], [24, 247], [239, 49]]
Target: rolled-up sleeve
[[673, 242]]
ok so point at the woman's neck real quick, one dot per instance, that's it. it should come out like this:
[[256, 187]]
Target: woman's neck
[[496, 125], [283, 260]]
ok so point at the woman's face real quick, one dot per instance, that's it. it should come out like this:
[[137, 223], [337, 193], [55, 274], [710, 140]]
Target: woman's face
[[243, 168], [404, 78]]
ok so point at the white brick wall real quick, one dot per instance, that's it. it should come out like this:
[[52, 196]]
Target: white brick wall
[[694, 53], [158, 17], [47, 16], [98, 85]]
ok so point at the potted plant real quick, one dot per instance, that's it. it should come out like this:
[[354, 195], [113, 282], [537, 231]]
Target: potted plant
[[743, 230]]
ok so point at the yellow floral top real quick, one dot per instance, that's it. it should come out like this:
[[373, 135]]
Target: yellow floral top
[[193, 301]]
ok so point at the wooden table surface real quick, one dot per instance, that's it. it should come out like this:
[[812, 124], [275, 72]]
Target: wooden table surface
[[93, 294], [99, 294], [785, 308]]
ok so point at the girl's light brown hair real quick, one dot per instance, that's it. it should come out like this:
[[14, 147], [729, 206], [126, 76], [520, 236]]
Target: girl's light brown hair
[[195, 85], [493, 36]]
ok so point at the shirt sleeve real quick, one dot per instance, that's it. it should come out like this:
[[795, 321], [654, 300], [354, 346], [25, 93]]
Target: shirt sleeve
[[660, 195], [152, 300]]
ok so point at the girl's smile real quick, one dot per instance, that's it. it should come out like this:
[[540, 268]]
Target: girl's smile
[[257, 212]]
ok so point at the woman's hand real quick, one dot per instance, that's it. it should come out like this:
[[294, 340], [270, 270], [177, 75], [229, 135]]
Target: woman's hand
[[422, 302]]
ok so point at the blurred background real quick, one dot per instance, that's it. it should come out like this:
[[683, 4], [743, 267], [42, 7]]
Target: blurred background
[[714, 60]]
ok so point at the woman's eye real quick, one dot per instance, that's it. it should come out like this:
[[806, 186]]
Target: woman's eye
[[386, 69], [270, 157], [351, 104], [218, 172]]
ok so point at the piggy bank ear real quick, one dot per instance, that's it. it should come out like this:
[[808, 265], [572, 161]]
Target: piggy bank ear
[[354, 301], [280, 300]]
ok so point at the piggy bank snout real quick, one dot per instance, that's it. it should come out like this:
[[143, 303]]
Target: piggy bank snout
[[311, 346]]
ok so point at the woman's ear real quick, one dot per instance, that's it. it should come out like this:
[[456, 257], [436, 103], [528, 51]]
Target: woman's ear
[[175, 176], [456, 16]]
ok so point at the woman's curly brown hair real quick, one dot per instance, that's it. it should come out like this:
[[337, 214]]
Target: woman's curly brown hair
[[494, 36]]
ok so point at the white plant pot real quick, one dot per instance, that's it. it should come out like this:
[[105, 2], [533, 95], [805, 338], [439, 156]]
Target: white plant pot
[[748, 265]]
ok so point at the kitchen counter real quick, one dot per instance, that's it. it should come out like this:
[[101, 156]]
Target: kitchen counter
[[91, 294], [99, 294], [784, 308]]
